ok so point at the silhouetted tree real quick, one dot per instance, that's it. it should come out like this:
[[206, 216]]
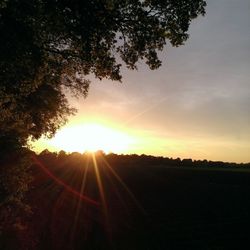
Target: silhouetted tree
[[47, 46]]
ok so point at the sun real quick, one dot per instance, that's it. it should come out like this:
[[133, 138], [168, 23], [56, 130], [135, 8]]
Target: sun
[[91, 137]]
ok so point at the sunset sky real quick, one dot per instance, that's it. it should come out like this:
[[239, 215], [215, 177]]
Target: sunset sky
[[197, 105]]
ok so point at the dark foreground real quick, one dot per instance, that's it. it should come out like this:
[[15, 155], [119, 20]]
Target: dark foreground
[[153, 204]]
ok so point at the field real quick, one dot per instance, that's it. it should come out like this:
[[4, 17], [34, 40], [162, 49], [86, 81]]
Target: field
[[138, 202]]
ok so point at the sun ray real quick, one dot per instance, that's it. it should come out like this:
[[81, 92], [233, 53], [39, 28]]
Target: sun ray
[[132, 196], [79, 205], [65, 185], [101, 191]]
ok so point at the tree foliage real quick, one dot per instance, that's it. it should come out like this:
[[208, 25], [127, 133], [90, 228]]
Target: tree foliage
[[49, 45]]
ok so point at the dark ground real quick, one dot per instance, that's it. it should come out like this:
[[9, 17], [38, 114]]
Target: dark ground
[[176, 207]]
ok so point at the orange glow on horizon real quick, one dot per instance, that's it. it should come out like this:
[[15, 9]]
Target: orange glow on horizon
[[91, 137]]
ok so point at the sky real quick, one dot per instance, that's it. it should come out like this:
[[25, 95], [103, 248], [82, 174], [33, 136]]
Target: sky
[[197, 105]]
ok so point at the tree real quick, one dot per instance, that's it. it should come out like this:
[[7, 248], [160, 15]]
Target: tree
[[47, 46]]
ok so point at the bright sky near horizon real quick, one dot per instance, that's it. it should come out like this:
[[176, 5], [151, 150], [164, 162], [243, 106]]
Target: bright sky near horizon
[[197, 105]]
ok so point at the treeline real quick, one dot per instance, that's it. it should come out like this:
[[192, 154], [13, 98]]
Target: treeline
[[139, 160]]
